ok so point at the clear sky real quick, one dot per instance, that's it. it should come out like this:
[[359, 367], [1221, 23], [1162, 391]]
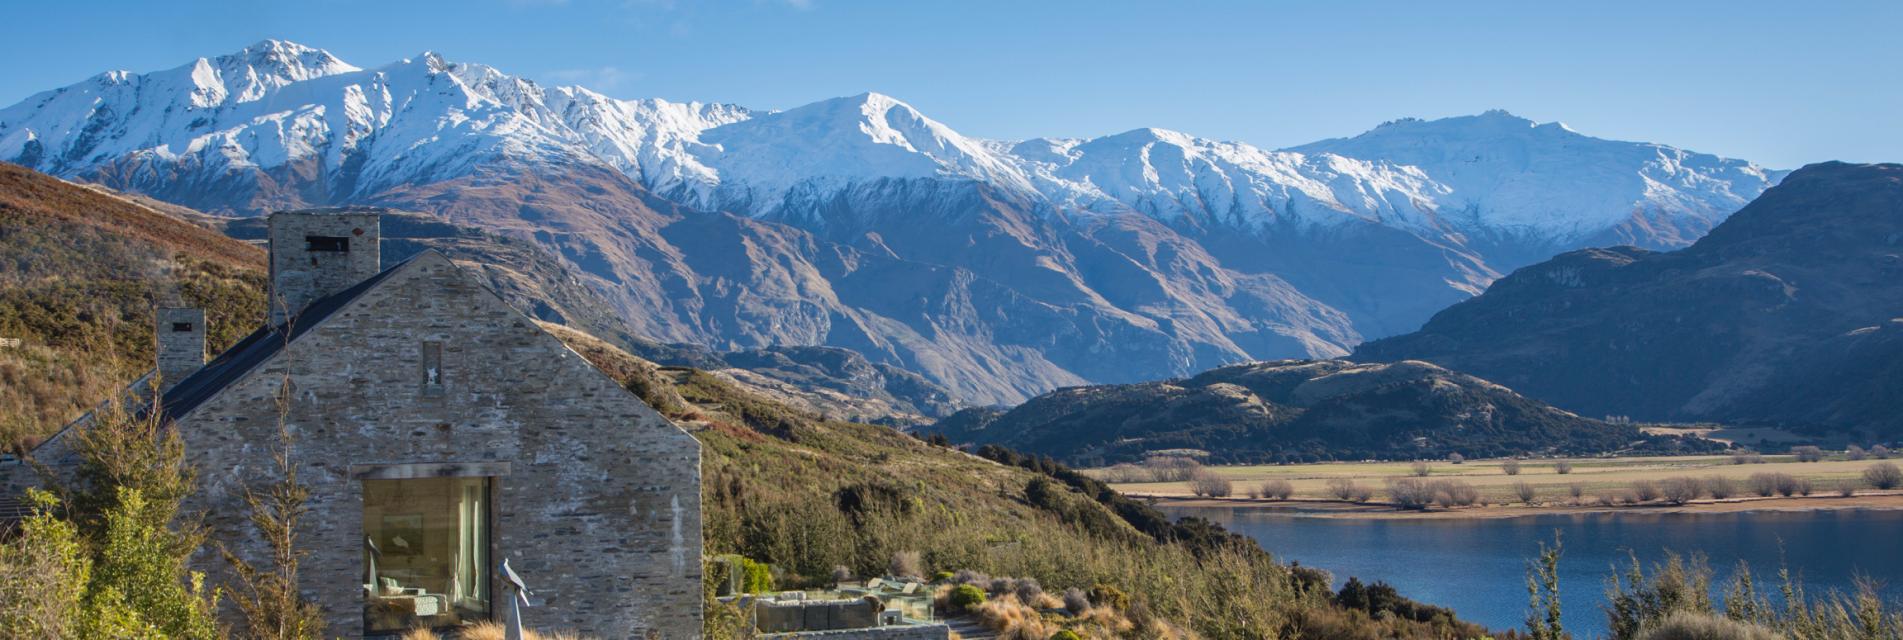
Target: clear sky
[[1779, 83]]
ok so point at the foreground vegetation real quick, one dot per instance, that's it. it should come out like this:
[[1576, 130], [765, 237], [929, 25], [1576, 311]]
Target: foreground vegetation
[[811, 497], [1673, 601]]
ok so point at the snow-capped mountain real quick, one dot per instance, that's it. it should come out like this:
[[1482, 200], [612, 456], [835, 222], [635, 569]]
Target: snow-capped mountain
[[1516, 177], [998, 268]]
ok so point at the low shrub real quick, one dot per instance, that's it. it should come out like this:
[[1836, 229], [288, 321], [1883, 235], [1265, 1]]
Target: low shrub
[[1511, 467], [1681, 490], [1066, 634], [906, 564], [1746, 456], [1687, 625], [1421, 469], [1563, 467], [1454, 493], [1854, 452], [1880, 452], [1524, 491], [1349, 490], [1108, 596], [1277, 489], [1720, 487], [965, 597], [1076, 602], [1807, 453], [1847, 488], [1646, 490], [1576, 490], [1207, 484], [1883, 475], [1456, 458], [1409, 493]]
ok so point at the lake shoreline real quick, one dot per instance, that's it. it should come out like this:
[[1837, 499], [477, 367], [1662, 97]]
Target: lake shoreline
[[1321, 508]]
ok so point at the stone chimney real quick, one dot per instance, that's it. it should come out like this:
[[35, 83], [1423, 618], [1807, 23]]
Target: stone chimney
[[318, 252], [181, 337]]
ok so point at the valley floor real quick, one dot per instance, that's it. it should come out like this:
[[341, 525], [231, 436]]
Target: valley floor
[[1590, 485]]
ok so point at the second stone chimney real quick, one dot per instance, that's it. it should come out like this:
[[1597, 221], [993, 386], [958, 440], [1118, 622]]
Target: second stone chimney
[[318, 252], [181, 344]]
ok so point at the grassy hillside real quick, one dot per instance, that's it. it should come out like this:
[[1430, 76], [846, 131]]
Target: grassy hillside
[[1296, 410], [809, 495], [80, 272], [82, 268]]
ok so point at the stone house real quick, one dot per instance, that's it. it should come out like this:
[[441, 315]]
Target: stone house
[[439, 431]]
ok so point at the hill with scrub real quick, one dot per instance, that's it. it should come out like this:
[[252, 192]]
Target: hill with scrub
[[784, 484], [1789, 313], [1294, 410]]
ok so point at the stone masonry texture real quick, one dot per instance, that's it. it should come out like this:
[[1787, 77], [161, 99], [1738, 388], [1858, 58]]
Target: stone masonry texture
[[599, 512]]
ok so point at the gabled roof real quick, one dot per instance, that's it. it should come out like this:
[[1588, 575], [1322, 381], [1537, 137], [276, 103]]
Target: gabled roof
[[258, 347]]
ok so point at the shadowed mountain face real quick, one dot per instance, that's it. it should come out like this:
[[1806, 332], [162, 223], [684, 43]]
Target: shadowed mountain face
[[997, 270], [1789, 312], [1290, 410]]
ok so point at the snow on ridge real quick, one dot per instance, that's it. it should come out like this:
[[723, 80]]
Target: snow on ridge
[[426, 118]]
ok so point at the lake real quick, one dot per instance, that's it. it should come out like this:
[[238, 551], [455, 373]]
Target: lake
[[1478, 567]]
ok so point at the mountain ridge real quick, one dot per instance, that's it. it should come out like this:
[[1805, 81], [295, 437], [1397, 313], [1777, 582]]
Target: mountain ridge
[[821, 225]]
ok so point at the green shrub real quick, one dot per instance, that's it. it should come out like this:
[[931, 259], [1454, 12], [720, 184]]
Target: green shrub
[[755, 577], [1066, 634], [966, 597], [1104, 595], [943, 576]]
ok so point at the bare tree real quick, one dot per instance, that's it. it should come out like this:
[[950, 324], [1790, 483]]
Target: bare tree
[[1883, 475], [1207, 484], [1276, 489], [1511, 467], [1563, 467], [1645, 490], [1525, 492], [1720, 487], [1421, 468], [1681, 490], [1808, 453], [268, 598]]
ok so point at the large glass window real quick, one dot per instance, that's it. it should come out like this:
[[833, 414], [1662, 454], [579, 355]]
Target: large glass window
[[426, 553]]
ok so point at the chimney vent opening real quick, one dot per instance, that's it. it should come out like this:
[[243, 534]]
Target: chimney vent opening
[[327, 243], [181, 327]]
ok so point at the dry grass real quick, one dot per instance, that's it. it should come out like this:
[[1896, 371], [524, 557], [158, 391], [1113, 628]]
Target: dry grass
[[1594, 476]]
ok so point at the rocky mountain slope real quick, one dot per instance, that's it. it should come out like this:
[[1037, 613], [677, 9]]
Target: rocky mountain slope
[[1789, 312], [995, 269], [1301, 410]]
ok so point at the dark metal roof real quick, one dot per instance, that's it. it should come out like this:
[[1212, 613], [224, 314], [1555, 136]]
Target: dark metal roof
[[254, 349]]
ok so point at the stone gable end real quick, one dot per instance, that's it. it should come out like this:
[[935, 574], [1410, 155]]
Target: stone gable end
[[599, 507]]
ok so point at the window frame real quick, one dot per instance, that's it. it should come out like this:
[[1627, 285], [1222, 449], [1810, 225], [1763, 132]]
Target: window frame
[[492, 472]]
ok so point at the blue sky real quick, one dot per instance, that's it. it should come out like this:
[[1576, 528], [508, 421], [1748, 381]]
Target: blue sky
[[1780, 83]]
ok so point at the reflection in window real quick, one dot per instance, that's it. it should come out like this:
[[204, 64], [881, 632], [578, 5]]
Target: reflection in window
[[426, 553]]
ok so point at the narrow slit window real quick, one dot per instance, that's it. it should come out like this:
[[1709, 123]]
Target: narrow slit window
[[181, 327], [432, 370], [327, 243]]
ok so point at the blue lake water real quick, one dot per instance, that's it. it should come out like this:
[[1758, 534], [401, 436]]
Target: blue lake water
[[1478, 566]]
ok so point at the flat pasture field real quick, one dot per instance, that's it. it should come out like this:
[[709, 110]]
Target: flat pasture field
[[1595, 476]]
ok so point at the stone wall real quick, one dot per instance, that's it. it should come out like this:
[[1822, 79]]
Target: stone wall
[[893, 632], [181, 343], [300, 275], [599, 511]]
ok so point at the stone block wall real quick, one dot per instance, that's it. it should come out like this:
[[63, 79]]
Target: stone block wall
[[181, 343], [303, 271], [599, 510]]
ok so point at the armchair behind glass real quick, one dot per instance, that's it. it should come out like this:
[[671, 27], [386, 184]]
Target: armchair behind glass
[[425, 553]]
